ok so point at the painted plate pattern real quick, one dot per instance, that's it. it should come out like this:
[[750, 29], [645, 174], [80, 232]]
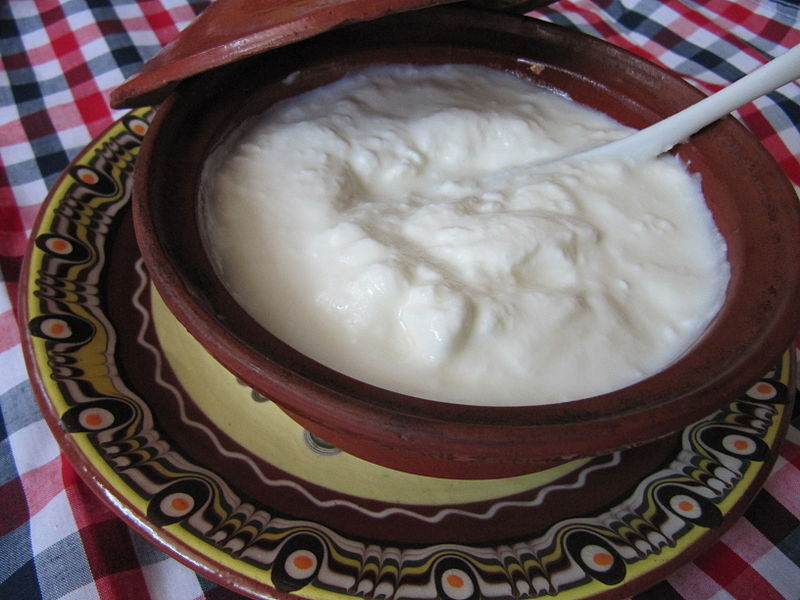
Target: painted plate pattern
[[91, 347]]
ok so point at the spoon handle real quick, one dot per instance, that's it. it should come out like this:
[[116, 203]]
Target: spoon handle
[[662, 136]]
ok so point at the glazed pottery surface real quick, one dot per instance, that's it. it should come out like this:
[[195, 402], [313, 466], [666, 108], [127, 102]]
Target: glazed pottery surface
[[753, 204], [196, 462], [230, 30]]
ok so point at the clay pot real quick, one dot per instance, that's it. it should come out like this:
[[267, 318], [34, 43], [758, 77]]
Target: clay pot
[[753, 204]]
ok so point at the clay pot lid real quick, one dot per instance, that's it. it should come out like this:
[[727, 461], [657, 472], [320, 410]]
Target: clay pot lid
[[229, 30]]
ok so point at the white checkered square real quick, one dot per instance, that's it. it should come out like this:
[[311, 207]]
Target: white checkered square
[[781, 572], [14, 371], [52, 523], [170, 579], [33, 446]]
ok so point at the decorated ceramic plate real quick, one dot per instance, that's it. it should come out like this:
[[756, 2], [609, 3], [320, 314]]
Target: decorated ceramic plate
[[220, 478]]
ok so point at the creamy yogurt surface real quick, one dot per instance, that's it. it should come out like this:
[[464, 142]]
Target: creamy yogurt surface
[[382, 225]]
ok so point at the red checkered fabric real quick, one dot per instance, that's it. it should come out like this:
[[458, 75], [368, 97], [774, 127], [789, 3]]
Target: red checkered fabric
[[59, 62]]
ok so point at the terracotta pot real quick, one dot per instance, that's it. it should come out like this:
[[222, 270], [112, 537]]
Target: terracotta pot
[[753, 204]]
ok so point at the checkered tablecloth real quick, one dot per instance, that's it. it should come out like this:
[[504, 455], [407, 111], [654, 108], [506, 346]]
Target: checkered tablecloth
[[59, 62]]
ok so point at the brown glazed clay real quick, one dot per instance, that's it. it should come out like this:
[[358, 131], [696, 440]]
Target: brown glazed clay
[[229, 30], [753, 204]]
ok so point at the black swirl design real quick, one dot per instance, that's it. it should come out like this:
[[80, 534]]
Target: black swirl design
[[596, 556], [97, 415], [67, 249], [94, 180], [735, 442], [178, 501], [298, 562], [62, 328], [455, 580], [689, 505]]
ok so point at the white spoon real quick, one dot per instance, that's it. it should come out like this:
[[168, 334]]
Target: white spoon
[[662, 136]]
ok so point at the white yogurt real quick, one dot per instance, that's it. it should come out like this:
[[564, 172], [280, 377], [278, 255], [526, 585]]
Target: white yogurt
[[377, 225]]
